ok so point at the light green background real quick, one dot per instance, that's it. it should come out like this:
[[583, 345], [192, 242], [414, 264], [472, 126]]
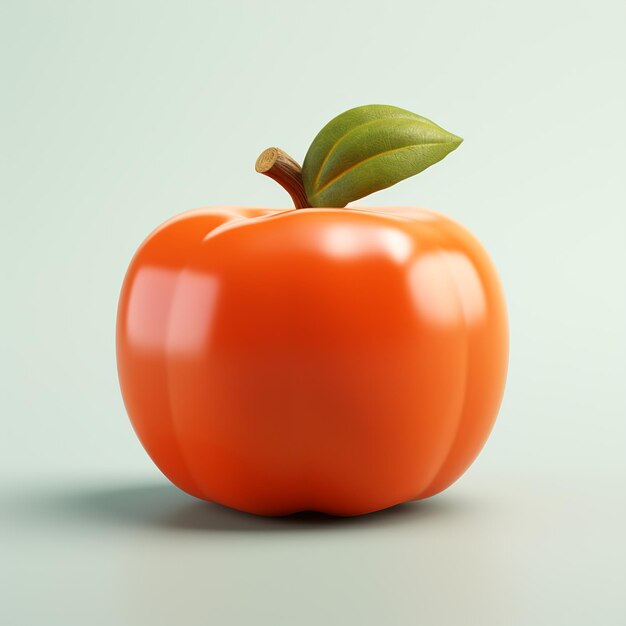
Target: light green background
[[116, 115]]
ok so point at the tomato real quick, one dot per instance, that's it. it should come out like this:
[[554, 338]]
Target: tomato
[[336, 360]]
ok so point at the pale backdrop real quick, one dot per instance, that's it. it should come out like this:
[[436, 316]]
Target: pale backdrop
[[116, 115]]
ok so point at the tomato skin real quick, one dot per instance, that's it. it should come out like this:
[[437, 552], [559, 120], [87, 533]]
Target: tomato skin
[[336, 360]]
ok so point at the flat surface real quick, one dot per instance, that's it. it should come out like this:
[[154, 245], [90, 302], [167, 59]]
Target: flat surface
[[144, 553], [117, 115]]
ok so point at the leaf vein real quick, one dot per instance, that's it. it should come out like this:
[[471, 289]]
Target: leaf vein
[[346, 135], [343, 173]]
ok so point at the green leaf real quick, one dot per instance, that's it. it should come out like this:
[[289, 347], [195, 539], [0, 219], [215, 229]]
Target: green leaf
[[368, 149]]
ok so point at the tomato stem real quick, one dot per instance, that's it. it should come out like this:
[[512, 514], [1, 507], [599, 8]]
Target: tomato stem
[[286, 171]]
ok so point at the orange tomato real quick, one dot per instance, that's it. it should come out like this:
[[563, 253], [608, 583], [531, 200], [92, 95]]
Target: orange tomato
[[336, 360]]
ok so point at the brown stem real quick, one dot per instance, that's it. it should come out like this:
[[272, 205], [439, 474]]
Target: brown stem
[[286, 171]]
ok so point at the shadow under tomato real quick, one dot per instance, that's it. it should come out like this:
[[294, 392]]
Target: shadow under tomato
[[166, 507]]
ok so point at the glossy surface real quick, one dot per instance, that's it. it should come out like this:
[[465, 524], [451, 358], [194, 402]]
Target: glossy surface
[[338, 360]]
